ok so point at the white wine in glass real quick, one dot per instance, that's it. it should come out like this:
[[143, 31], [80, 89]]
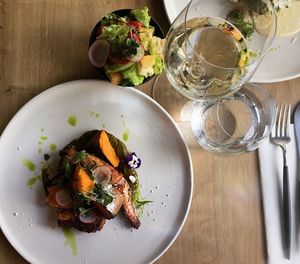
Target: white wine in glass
[[208, 54]]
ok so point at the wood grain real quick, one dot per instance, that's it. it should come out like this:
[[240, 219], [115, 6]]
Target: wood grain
[[44, 42]]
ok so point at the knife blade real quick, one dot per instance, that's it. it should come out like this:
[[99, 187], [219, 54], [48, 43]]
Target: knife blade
[[297, 133]]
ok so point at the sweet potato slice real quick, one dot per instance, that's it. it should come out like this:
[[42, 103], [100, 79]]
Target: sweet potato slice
[[82, 181], [107, 149]]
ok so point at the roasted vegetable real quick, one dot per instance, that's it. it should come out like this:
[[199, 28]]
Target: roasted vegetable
[[108, 150], [82, 181]]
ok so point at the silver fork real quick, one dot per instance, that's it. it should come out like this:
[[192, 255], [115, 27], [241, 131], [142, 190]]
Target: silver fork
[[280, 136]]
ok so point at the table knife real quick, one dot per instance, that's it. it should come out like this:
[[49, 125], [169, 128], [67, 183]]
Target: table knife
[[297, 133]]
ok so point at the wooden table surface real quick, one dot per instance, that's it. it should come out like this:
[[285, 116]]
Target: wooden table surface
[[44, 43]]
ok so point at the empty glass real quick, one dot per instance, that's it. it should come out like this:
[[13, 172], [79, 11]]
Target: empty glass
[[235, 124]]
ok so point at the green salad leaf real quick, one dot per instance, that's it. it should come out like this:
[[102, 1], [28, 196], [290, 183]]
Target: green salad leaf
[[132, 77], [141, 15], [158, 66], [115, 33], [110, 19]]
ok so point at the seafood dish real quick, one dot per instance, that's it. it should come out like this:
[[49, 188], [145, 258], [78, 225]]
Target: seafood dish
[[93, 181]]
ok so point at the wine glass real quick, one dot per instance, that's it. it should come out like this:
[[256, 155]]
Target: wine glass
[[212, 49]]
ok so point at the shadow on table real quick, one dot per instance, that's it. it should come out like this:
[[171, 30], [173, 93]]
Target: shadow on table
[[8, 250]]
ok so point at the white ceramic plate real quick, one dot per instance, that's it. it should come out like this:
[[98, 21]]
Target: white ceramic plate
[[166, 174], [280, 64]]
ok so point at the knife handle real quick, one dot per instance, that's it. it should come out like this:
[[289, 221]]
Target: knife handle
[[286, 212]]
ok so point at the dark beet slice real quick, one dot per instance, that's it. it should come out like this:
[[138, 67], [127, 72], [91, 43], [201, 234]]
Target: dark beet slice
[[98, 52]]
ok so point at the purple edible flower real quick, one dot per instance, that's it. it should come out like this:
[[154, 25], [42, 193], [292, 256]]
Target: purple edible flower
[[133, 161]]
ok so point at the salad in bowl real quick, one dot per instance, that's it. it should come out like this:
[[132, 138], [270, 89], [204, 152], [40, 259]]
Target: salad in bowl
[[126, 46]]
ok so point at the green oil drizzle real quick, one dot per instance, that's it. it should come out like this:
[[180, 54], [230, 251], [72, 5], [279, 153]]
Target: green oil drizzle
[[42, 130], [40, 142], [123, 121], [43, 138], [126, 134], [40, 150], [30, 183], [103, 126], [52, 147], [72, 120], [70, 239], [95, 114], [126, 130], [28, 164]]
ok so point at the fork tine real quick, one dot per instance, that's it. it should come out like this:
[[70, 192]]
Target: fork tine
[[274, 128], [288, 120], [284, 120], [279, 121]]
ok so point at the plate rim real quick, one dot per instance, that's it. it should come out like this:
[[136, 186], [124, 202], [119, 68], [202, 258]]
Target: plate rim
[[254, 79], [31, 257]]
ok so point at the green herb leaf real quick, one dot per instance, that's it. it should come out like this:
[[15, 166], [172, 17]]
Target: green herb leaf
[[97, 195], [83, 198], [89, 168], [139, 204], [68, 169], [102, 195], [83, 210], [236, 17], [110, 19], [131, 48], [81, 155]]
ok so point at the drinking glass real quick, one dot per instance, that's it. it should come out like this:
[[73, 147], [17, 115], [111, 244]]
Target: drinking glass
[[237, 123], [213, 48]]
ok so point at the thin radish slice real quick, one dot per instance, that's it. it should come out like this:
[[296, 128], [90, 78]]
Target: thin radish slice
[[102, 175], [98, 52], [88, 218], [63, 197], [139, 54]]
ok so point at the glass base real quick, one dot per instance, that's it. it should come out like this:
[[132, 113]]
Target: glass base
[[234, 124]]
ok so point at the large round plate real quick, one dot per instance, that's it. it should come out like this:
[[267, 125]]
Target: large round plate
[[280, 64], [166, 174]]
